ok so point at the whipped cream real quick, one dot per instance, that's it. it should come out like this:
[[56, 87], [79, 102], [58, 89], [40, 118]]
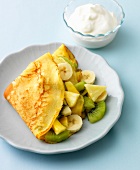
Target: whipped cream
[[92, 19]]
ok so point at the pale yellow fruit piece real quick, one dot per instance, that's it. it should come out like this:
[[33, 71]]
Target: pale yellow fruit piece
[[66, 110], [102, 97], [88, 76], [94, 91], [74, 123], [64, 121], [65, 71], [78, 108], [58, 127], [70, 87], [71, 98]]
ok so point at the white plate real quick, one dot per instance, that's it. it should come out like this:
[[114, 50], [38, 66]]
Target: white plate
[[15, 131]]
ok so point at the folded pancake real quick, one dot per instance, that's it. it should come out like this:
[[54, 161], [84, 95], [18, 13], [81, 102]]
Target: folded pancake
[[37, 94]]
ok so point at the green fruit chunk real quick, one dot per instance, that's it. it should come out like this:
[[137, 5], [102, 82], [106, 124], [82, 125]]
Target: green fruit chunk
[[97, 113], [88, 103], [51, 137], [80, 86]]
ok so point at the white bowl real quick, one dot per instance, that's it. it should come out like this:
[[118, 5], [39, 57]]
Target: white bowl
[[99, 40]]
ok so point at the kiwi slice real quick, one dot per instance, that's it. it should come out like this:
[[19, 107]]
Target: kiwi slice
[[52, 138], [88, 103], [80, 86], [97, 113]]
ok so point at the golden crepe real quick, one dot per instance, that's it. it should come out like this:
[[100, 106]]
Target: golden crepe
[[37, 94]]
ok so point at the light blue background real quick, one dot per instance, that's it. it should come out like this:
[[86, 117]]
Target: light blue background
[[28, 22]]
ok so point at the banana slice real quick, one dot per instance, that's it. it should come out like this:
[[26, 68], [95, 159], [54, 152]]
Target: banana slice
[[65, 70], [88, 76], [74, 123]]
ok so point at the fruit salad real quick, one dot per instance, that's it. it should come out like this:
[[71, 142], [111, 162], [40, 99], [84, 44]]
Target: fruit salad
[[83, 98]]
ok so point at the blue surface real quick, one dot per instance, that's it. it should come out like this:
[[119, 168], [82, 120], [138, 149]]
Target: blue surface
[[24, 23]]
